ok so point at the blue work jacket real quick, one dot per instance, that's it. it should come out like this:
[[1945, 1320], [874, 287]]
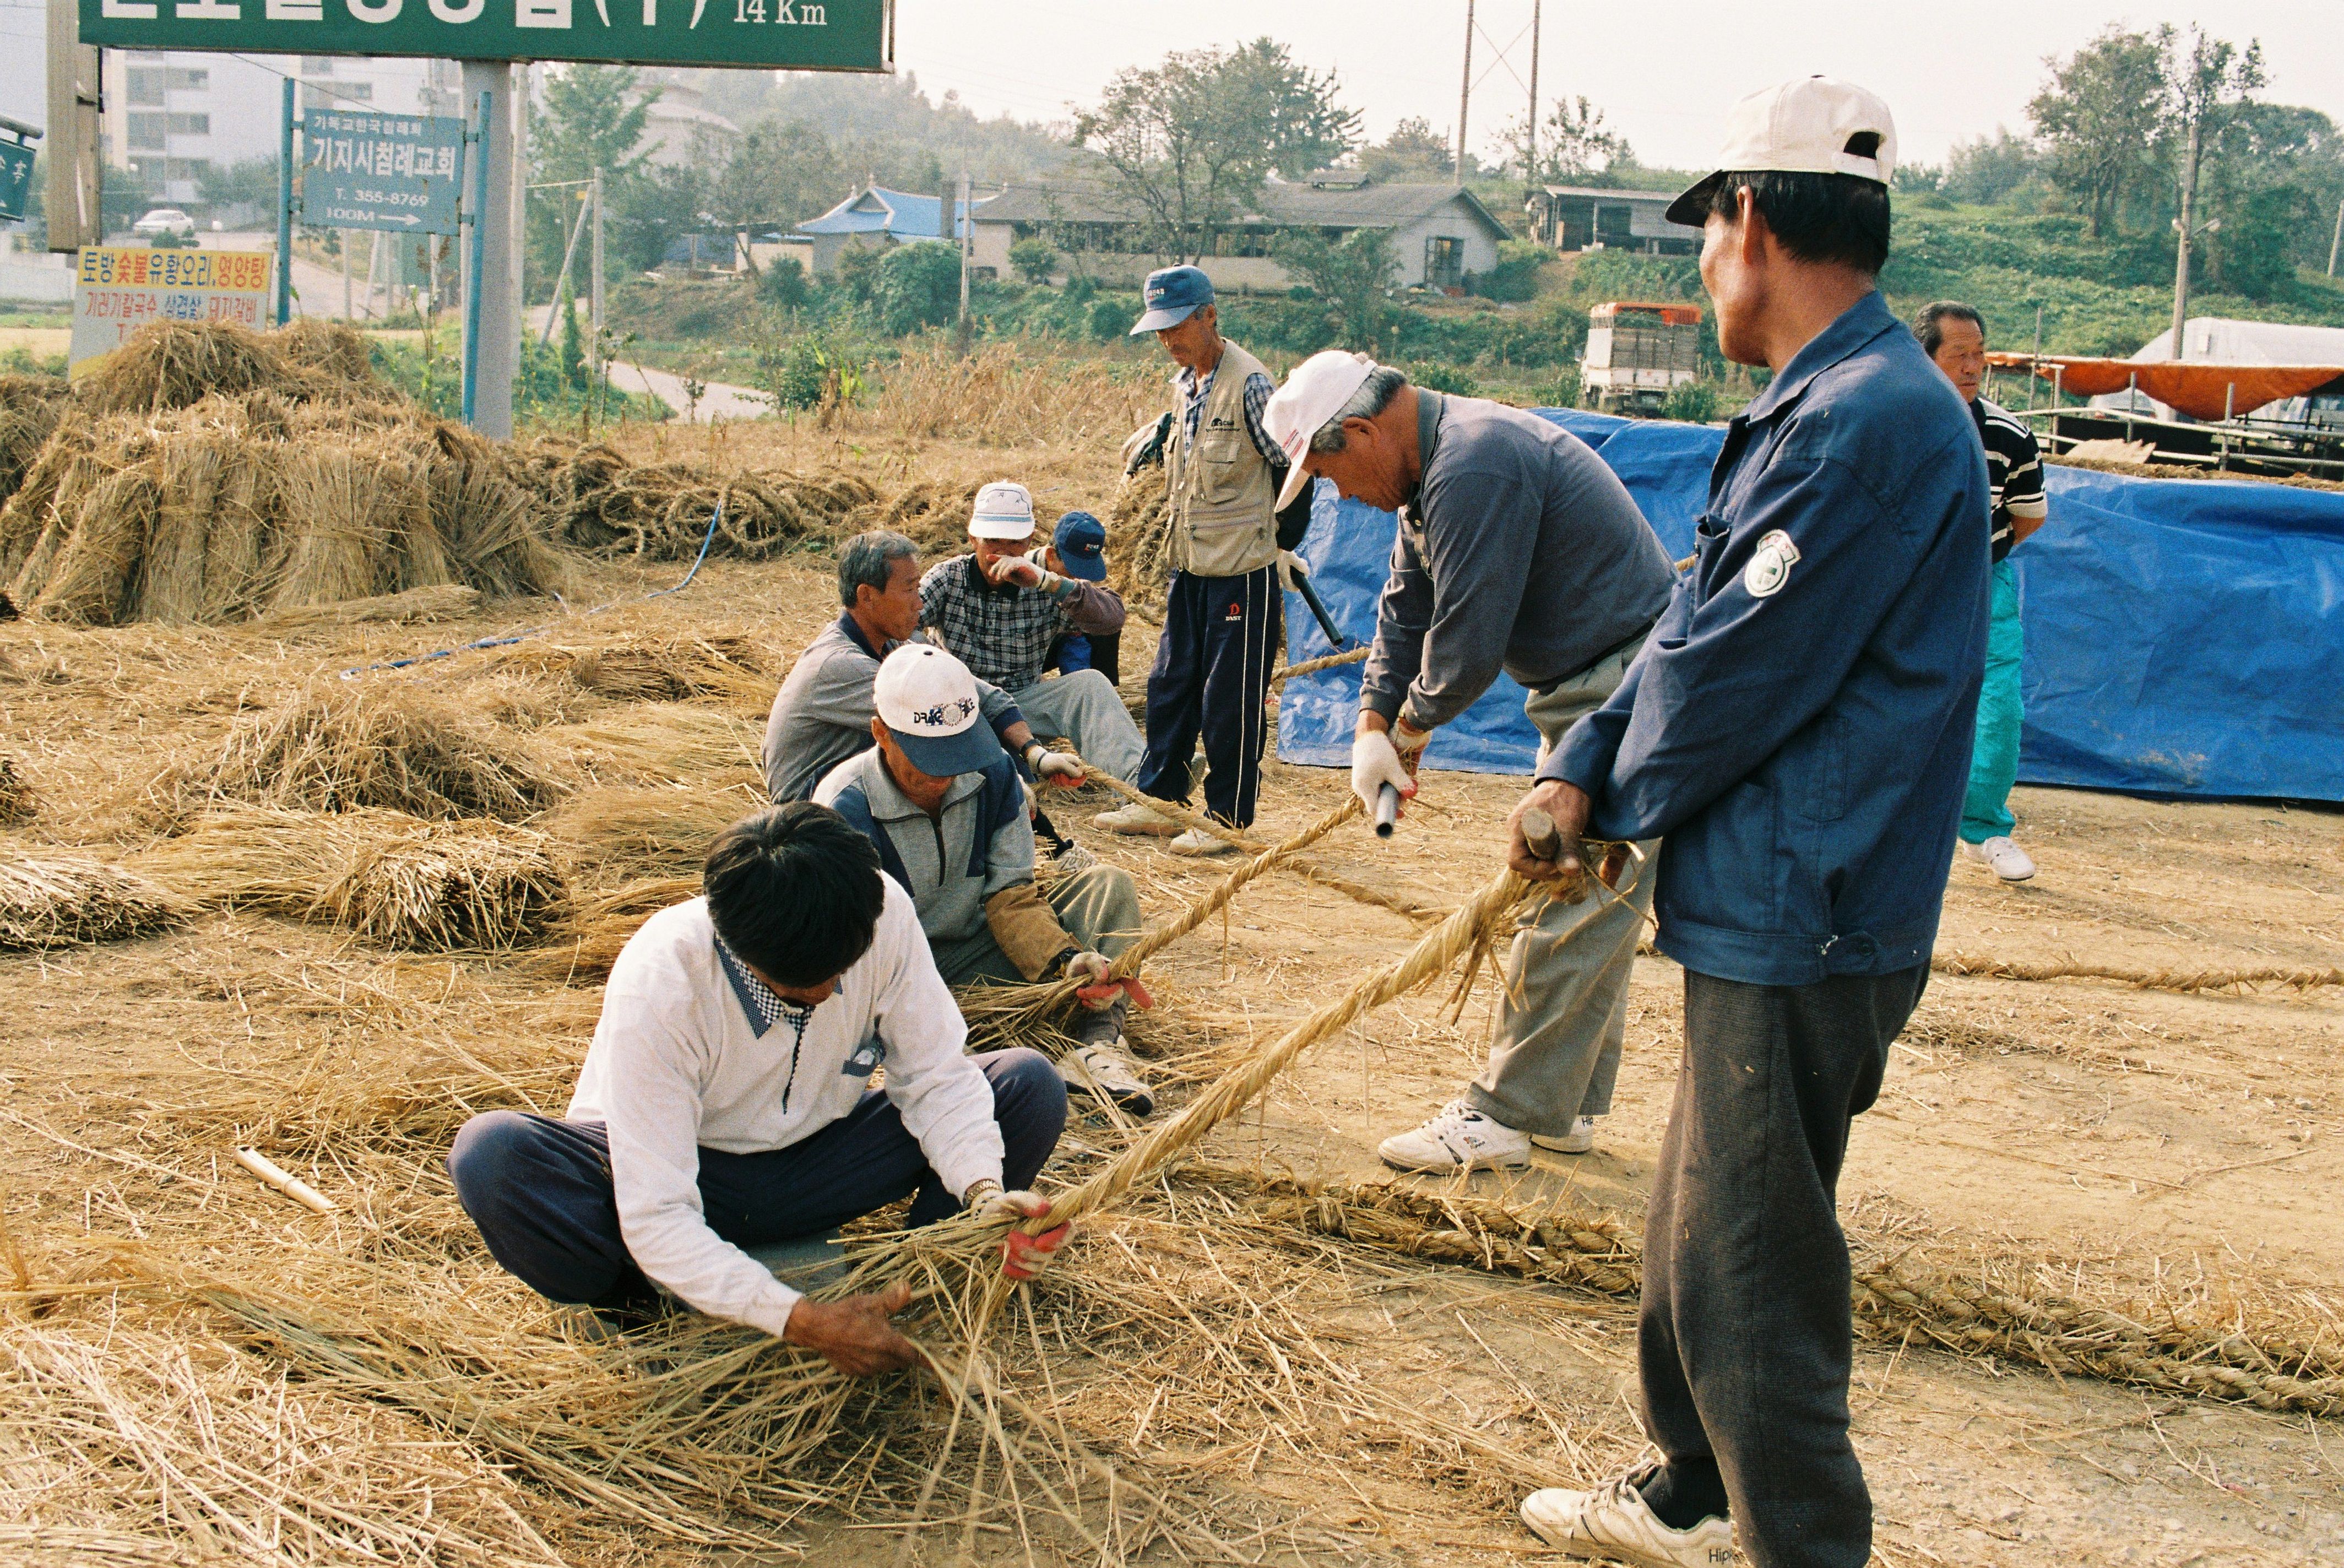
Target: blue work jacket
[[1798, 725]]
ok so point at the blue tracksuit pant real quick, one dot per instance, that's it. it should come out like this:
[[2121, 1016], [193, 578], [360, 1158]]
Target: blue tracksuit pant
[[540, 1189], [1994, 762], [1222, 635]]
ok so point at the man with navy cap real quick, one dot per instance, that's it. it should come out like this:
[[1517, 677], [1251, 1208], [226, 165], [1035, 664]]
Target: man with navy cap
[[1225, 541], [1797, 727], [1077, 549]]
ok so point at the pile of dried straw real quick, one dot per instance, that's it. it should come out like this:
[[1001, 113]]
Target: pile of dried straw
[[53, 900], [30, 406], [673, 669], [336, 746], [390, 878], [210, 474], [600, 501]]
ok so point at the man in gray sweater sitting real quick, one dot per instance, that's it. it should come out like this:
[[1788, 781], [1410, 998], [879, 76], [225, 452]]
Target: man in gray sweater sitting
[[822, 713], [939, 801]]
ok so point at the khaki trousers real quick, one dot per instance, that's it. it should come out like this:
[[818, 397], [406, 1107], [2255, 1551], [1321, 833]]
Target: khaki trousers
[[1564, 1016]]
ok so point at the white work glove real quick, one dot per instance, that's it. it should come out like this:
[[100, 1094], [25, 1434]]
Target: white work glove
[[1290, 567], [1022, 1256], [1054, 767], [1377, 758]]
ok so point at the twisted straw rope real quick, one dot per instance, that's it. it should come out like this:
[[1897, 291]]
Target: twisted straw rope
[[1313, 667], [2147, 979], [1890, 1301]]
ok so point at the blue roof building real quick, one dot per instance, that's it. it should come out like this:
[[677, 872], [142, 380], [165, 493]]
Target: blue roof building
[[873, 217]]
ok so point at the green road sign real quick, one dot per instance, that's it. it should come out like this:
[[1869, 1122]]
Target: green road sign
[[15, 177], [395, 172], [796, 35]]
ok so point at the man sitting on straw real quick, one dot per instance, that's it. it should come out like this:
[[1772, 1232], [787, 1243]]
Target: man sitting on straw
[[725, 1104], [939, 801], [822, 715], [1520, 551], [998, 610]]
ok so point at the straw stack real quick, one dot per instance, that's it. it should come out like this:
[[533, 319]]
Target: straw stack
[[51, 900], [391, 878], [598, 500]]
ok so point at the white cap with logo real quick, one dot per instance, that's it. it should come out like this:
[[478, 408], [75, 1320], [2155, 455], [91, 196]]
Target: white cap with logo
[[1004, 510], [1314, 393], [1810, 124], [929, 703]]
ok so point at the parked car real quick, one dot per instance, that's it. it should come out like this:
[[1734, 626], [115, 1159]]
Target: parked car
[[1638, 353], [168, 220]]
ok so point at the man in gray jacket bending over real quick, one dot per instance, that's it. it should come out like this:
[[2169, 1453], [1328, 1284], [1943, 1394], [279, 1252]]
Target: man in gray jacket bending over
[[1520, 551], [940, 803], [822, 713]]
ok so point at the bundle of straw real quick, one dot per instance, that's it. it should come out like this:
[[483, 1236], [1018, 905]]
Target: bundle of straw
[[63, 900], [674, 670], [30, 406], [391, 878], [173, 364], [336, 746], [616, 830], [584, 941], [663, 742], [18, 804], [416, 606]]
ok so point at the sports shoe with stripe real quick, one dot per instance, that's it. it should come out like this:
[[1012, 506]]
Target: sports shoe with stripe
[[1614, 1523]]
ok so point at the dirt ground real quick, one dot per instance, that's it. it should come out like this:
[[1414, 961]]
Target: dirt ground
[[2106, 1138]]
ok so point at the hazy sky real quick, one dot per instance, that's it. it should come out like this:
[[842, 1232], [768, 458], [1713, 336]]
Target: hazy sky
[[1662, 70]]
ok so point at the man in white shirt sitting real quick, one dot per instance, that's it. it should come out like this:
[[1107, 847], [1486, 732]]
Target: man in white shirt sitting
[[725, 1103]]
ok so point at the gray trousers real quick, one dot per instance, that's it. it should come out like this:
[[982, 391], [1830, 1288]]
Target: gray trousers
[[1099, 908], [1084, 707], [1742, 1339], [1563, 1013]]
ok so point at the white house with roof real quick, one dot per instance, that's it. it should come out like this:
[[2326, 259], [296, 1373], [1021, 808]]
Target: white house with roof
[[873, 217], [1589, 218], [1440, 235]]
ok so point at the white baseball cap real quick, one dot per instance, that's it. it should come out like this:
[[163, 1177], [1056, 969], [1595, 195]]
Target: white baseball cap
[[928, 700], [1315, 393], [1004, 510], [1810, 124]]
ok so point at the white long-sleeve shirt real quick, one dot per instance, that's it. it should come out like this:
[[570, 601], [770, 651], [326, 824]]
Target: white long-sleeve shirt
[[678, 1065]]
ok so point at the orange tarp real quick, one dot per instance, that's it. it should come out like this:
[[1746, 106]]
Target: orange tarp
[[2199, 389]]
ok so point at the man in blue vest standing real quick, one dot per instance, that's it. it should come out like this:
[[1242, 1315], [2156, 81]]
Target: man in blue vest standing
[[1797, 728]]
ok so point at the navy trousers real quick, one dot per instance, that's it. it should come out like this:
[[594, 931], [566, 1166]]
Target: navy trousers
[[540, 1189], [1222, 636], [1742, 1339]]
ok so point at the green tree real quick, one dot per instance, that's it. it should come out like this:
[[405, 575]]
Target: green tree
[[1985, 171], [1413, 151], [915, 285], [784, 284], [588, 117], [2103, 118], [573, 340], [652, 211], [774, 176], [250, 183], [1189, 143], [1351, 277], [1572, 146], [1033, 260]]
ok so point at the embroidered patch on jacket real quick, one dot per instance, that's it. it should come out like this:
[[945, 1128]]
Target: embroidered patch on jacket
[[1237, 612], [1770, 565], [866, 1058]]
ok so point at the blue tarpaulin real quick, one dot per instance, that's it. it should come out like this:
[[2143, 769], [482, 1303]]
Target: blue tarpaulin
[[2184, 637]]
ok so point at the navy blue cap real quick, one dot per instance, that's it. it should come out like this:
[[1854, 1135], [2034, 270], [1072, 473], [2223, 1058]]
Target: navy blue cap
[[1081, 543], [1173, 295]]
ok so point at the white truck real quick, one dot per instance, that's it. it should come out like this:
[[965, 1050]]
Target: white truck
[[1638, 353]]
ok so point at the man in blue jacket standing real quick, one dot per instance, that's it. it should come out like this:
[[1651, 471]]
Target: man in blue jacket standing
[[1798, 729]]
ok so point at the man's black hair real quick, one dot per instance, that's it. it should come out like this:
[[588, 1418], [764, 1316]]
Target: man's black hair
[[1929, 325], [1840, 217], [796, 891]]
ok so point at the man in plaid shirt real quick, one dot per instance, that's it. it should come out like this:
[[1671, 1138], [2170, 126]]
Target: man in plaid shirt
[[997, 611]]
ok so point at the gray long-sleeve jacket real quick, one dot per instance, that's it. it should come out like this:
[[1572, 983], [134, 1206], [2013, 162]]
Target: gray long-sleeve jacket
[[1520, 552], [823, 713]]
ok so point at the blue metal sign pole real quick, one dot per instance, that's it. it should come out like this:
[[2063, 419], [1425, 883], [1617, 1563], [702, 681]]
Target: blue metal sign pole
[[285, 209], [477, 203]]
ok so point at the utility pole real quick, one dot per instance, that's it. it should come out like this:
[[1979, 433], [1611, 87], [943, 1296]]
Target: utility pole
[[961, 227], [1465, 92], [343, 241], [2338, 242], [71, 200], [285, 209], [1529, 156], [594, 306], [492, 283]]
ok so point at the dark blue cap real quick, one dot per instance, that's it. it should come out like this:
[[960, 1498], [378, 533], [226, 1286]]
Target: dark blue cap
[[1173, 295], [1081, 543]]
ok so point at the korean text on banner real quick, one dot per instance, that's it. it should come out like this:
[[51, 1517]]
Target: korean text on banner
[[117, 290]]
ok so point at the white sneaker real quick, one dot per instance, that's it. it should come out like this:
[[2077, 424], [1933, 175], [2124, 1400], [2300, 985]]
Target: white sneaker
[[1101, 1069], [1615, 1522], [2009, 861], [1136, 818], [1458, 1140], [1578, 1140], [1197, 841]]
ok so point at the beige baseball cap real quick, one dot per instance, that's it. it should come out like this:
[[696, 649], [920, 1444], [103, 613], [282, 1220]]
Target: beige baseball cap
[[1810, 124], [1004, 510], [1315, 393]]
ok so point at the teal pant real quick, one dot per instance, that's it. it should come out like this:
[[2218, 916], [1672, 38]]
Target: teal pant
[[1994, 763]]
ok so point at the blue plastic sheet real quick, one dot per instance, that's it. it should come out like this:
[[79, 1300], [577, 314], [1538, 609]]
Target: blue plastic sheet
[[2182, 636]]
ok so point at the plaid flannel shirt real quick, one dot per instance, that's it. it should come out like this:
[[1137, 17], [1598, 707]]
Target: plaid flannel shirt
[[1193, 393], [1002, 634]]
